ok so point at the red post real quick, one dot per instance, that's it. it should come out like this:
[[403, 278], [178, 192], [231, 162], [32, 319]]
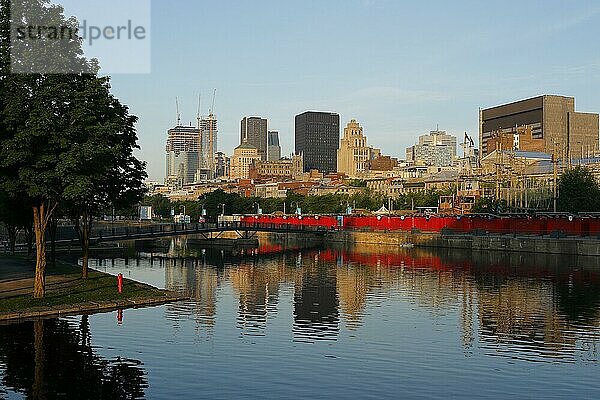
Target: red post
[[120, 283]]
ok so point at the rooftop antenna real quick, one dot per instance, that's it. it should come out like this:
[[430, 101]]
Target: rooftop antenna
[[178, 115]]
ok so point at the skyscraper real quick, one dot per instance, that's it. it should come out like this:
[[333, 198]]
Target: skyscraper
[[208, 128], [183, 154], [253, 130], [273, 147], [317, 137]]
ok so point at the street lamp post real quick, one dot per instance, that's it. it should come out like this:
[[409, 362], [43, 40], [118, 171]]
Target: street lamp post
[[183, 219]]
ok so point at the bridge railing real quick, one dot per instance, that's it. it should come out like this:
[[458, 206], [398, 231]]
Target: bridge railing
[[474, 224], [68, 233]]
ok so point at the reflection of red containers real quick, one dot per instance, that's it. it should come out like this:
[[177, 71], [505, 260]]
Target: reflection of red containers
[[120, 283], [119, 317]]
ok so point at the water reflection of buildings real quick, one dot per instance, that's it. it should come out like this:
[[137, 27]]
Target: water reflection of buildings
[[552, 311], [257, 288], [532, 304], [316, 315], [353, 284], [197, 280]]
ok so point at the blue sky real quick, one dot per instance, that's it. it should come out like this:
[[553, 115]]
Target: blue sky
[[399, 68]]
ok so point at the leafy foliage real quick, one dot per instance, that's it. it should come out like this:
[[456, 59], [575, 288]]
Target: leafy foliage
[[578, 191], [212, 202], [64, 138]]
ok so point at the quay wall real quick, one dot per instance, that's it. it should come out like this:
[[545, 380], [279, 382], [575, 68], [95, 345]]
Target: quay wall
[[514, 243]]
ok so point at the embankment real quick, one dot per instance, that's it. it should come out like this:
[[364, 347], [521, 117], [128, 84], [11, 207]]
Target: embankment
[[584, 246]]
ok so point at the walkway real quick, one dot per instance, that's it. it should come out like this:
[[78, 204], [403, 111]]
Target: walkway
[[16, 278]]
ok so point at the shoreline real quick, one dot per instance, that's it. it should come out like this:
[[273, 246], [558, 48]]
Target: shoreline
[[534, 244], [83, 309], [68, 294]]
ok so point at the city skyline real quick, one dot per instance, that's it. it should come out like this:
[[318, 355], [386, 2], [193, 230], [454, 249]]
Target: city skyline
[[365, 63]]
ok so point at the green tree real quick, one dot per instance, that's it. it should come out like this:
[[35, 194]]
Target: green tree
[[37, 111], [38, 117], [233, 203], [161, 205], [99, 169], [367, 199], [428, 198], [578, 191], [326, 204]]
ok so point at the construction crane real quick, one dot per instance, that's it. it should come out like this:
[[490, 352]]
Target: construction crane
[[211, 138], [200, 132], [212, 108], [177, 108]]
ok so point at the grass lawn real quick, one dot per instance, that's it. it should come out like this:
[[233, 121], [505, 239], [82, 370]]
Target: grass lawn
[[66, 288]]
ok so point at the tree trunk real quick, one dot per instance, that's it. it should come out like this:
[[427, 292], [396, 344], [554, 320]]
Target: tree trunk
[[41, 215], [12, 238], [85, 245], [83, 225], [52, 230], [29, 236]]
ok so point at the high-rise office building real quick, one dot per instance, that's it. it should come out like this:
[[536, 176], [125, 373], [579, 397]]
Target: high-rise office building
[[273, 147], [354, 155], [208, 128], [550, 118], [253, 130], [190, 152], [436, 149], [317, 138], [183, 154]]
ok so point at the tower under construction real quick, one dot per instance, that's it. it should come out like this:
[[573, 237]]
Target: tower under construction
[[191, 150]]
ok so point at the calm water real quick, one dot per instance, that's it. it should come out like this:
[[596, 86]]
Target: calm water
[[325, 323]]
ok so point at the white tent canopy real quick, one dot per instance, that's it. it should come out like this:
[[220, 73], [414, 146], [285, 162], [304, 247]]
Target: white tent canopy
[[382, 210]]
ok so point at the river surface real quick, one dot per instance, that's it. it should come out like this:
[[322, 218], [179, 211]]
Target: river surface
[[369, 322]]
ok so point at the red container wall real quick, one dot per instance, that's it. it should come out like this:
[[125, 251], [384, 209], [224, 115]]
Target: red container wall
[[463, 224]]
